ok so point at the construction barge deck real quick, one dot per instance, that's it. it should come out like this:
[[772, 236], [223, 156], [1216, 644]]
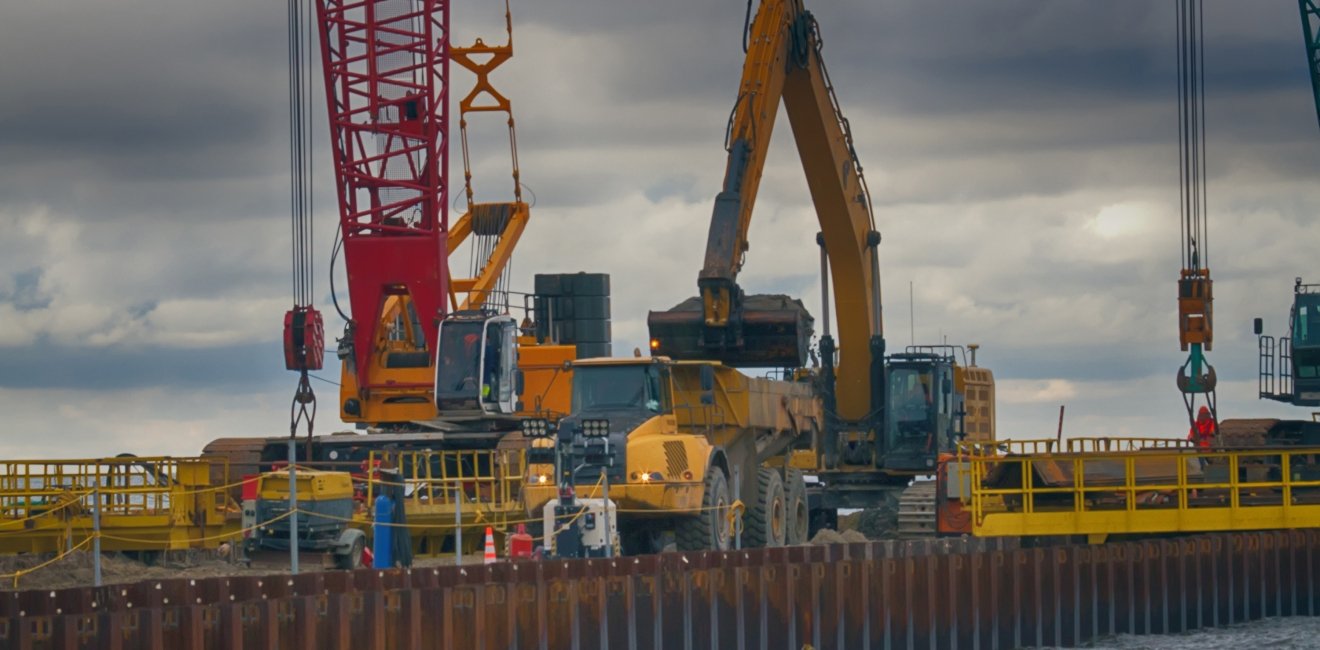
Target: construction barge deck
[[1226, 536]]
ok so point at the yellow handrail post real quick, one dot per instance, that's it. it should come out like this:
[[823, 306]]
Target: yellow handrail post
[[1182, 482], [1028, 483], [1079, 489], [1286, 467], [1234, 497], [1130, 483]]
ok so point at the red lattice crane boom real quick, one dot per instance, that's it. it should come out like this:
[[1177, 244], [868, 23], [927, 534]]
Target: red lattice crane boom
[[386, 66]]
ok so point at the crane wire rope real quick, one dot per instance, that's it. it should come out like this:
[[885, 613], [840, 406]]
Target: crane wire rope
[[1192, 192], [303, 407], [300, 150], [1192, 196]]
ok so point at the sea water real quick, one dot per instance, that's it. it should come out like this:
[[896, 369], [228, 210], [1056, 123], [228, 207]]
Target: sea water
[[1292, 632]]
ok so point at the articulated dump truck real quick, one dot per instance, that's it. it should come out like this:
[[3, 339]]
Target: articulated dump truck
[[675, 444]]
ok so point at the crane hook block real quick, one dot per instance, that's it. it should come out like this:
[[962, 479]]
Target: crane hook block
[[1195, 315], [1202, 383], [304, 339]]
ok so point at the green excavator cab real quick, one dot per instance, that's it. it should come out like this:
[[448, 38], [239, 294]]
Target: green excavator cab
[[1290, 365]]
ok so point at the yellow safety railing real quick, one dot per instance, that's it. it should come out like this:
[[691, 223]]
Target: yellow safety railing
[[46, 503], [1138, 489], [1081, 445], [126, 486], [491, 480]]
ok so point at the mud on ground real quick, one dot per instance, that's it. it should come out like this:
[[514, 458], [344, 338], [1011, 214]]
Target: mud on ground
[[116, 568], [76, 570]]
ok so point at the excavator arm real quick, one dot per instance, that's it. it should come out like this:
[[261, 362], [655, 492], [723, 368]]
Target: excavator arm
[[765, 72], [784, 64]]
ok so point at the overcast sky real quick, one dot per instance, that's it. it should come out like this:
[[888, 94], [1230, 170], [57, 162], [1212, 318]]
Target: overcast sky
[[1022, 156]]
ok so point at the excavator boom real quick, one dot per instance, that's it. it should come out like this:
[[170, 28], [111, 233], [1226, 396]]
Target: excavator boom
[[784, 64]]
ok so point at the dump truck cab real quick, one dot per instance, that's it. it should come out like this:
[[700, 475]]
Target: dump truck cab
[[632, 399], [673, 444], [630, 394]]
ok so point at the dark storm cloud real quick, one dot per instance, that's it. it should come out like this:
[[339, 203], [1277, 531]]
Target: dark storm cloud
[[141, 107], [974, 100], [49, 365], [143, 167]]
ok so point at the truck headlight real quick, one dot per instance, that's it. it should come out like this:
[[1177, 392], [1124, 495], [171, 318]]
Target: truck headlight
[[536, 427], [596, 428]]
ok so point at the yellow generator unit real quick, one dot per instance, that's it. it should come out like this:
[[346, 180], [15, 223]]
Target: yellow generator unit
[[325, 508]]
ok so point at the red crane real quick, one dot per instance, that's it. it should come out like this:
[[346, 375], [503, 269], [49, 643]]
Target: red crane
[[386, 66]]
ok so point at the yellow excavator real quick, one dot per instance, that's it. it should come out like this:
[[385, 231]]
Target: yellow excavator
[[887, 417]]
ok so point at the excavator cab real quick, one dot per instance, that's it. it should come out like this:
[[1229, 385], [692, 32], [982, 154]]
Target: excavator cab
[[925, 413], [476, 370]]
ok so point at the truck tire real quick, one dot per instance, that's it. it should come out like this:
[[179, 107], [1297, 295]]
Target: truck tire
[[766, 520], [708, 530], [799, 519]]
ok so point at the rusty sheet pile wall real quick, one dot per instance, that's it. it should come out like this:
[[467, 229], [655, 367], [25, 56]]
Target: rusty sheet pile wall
[[945, 594]]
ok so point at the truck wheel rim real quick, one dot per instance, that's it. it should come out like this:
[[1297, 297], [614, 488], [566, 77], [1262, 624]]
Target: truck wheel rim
[[777, 521], [721, 514]]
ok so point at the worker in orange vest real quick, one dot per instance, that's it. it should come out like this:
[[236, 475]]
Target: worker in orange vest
[[1202, 431]]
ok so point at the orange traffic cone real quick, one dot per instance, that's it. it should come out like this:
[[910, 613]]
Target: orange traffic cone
[[490, 546]]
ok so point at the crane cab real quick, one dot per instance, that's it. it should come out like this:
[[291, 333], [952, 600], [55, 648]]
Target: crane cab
[[476, 370]]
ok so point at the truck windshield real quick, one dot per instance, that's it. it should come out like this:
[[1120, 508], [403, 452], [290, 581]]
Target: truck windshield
[[629, 387]]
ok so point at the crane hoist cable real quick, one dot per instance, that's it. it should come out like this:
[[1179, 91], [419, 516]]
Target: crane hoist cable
[[304, 340], [1195, 314]]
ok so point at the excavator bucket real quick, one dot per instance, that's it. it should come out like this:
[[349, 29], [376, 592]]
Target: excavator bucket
[[768, 331]]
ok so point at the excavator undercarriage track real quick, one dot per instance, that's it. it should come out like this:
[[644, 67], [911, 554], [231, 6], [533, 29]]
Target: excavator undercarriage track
[[917, 512]]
